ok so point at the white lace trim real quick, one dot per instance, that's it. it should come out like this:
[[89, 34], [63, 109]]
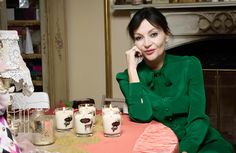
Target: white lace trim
[[15, 67], [8, 34]]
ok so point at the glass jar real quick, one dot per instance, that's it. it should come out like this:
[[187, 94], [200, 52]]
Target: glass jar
[[42, 129], [111, 118]]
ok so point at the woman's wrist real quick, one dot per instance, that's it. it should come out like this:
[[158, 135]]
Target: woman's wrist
[[133, 75]]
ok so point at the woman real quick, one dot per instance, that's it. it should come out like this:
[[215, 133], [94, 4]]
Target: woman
[[167, 88]]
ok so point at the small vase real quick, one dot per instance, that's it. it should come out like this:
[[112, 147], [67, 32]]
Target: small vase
[[28, 43]]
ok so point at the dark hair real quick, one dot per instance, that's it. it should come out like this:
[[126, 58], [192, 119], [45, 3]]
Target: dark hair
[[152, 15]]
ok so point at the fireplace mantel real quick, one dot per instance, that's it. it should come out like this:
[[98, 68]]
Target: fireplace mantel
[[191, 22], [189, 26]]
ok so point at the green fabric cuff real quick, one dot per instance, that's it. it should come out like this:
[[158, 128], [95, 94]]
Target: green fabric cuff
[[135, 90], [189, 147]]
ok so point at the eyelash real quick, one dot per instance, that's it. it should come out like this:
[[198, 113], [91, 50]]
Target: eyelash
[[137, 38], [154, 34]]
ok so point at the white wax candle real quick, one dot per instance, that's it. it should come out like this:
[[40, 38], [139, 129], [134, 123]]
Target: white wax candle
[[64, 118], [83, 123], [90, 109], [111, 121]]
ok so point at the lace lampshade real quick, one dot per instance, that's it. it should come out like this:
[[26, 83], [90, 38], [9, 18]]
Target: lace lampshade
[[12, 65]]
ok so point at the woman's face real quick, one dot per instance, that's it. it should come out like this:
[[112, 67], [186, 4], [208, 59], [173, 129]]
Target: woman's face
[[150, 41]]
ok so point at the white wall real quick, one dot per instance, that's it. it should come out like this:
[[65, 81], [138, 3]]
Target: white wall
[[120, 42], [86, 48]]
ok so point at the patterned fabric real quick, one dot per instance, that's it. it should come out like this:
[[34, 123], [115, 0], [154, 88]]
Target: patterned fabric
[[8, 143], [10, 54], [14, 66], [154, 133]]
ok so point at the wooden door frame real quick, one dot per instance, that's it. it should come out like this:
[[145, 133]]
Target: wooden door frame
[[54, 50]]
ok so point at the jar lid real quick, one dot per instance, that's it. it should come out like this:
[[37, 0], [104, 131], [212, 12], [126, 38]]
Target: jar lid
[[76, 103]]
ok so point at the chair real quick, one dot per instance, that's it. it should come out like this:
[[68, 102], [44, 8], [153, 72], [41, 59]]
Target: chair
[[116, 102], [36, 100]]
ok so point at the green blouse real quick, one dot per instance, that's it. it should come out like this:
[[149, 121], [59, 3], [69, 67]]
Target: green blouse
[[175, 96]]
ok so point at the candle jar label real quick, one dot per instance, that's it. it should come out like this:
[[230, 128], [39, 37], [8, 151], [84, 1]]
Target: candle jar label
[[64, 118], [90, 109], [84, 124]]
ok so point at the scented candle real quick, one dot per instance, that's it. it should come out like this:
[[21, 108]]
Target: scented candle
[[111, 121], [64, 118], [83, 123]]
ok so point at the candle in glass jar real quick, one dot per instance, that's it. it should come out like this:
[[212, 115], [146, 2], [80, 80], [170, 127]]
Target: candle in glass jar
[[64, 118], [111, 121], [84, 123]]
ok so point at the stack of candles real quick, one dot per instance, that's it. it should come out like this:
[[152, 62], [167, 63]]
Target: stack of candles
[[111, 121], [64, 118]]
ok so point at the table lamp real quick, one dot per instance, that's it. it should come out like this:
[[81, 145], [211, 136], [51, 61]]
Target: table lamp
[[14, 74]]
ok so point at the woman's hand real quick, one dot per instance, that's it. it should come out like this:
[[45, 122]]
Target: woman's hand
[[133, 57]]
